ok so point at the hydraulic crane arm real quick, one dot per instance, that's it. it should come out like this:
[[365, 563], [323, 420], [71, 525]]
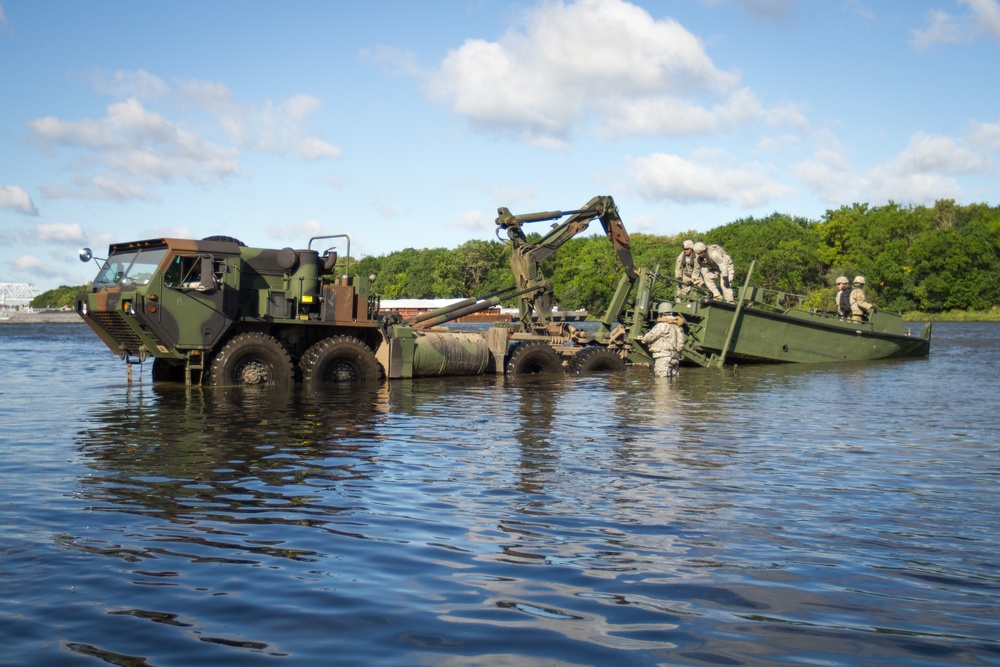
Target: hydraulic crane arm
[[526, 257]]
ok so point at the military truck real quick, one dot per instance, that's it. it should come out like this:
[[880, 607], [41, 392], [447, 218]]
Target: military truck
[[215, 311], [218, 312]]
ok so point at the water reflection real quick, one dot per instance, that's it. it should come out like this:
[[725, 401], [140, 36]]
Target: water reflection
[[729, 517], [232, 456]]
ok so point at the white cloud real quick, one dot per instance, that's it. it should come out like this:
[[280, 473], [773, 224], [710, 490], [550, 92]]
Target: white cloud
[[706, 178], [922, 173], [30, 264], [629, 73], [137, 148], [267, 128], [60, 232], [15, 198], [677, 117], [831, 176], [133, 141], [297, 231], [943, 28], [475, 220], [927, 154], [987, 14], [55, 269], [986, 135], [312, 148], [100, 241], [982, 19], [182, 232], [3, 18], [125, 84], [395, 60], [101, 188]]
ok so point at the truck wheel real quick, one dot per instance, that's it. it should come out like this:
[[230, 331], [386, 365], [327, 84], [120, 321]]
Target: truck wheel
[[534, 357], [339, 359], [225, 238], [251, 358], [595, 360], [168, 370]]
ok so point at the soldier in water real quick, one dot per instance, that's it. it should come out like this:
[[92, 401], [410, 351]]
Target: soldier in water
[[665, 341]]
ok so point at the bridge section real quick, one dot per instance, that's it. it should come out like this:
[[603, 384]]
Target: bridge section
[[17, 294]]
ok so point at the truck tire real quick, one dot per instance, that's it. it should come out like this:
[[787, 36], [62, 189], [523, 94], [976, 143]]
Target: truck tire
[[251, 358], [225, 238], [168, 370], [339, 359], [594, 359], [534, 357]]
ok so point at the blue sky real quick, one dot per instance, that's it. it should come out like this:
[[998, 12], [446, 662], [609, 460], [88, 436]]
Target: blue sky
[[407, 124]]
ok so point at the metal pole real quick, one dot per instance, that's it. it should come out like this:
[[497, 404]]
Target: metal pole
[[736, 315]]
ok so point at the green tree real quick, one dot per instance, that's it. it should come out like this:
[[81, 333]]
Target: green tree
[[584, 274], [875, 242], [784, 247], [935, 258], [957, 266], [59, 297]]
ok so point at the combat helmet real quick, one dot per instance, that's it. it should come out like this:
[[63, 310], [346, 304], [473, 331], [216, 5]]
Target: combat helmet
[[665, 309], [859, 280], [689, 244], [699, 247], [842, 280]]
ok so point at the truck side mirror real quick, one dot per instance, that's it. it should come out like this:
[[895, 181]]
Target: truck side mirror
[[208, 280]]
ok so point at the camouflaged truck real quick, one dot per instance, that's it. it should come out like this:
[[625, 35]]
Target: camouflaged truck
[[217, 312]]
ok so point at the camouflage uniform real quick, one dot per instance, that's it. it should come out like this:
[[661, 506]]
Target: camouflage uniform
[[666, 340], [860, 308], [716, 263], [843, 297], [685, 273]]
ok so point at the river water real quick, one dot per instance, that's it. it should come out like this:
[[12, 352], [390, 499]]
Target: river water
[[823, 515]]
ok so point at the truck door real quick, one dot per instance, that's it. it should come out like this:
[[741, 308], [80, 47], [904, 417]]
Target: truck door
[[193, 309]]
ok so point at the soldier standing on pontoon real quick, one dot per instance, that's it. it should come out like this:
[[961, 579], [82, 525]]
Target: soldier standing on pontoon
[[684, 272], [714, 262], [843, 297], [860, 308]]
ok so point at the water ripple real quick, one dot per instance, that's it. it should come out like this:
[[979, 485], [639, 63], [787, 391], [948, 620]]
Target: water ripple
[[828, 515]]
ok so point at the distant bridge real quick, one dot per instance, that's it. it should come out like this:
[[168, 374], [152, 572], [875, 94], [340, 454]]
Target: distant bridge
[[17, 294]]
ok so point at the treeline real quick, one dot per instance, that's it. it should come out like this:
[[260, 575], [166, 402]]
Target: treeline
[[929, 259], [59, 297]]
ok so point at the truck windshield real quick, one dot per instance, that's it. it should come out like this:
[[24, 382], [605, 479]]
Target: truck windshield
[[134, 267]]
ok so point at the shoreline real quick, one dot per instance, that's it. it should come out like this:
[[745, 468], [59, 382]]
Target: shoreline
[[992, 315], [72, 317], [43, 317]]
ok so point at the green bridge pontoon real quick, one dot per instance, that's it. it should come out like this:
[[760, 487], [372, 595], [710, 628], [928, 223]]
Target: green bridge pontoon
[[769, 326]]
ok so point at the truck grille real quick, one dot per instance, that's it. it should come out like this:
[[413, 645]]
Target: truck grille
[[114, 323]]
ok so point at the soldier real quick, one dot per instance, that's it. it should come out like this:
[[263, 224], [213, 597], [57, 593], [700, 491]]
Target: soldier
[[860, 308], [665, 340], [684, 272], [843, 297], [713, 262]]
